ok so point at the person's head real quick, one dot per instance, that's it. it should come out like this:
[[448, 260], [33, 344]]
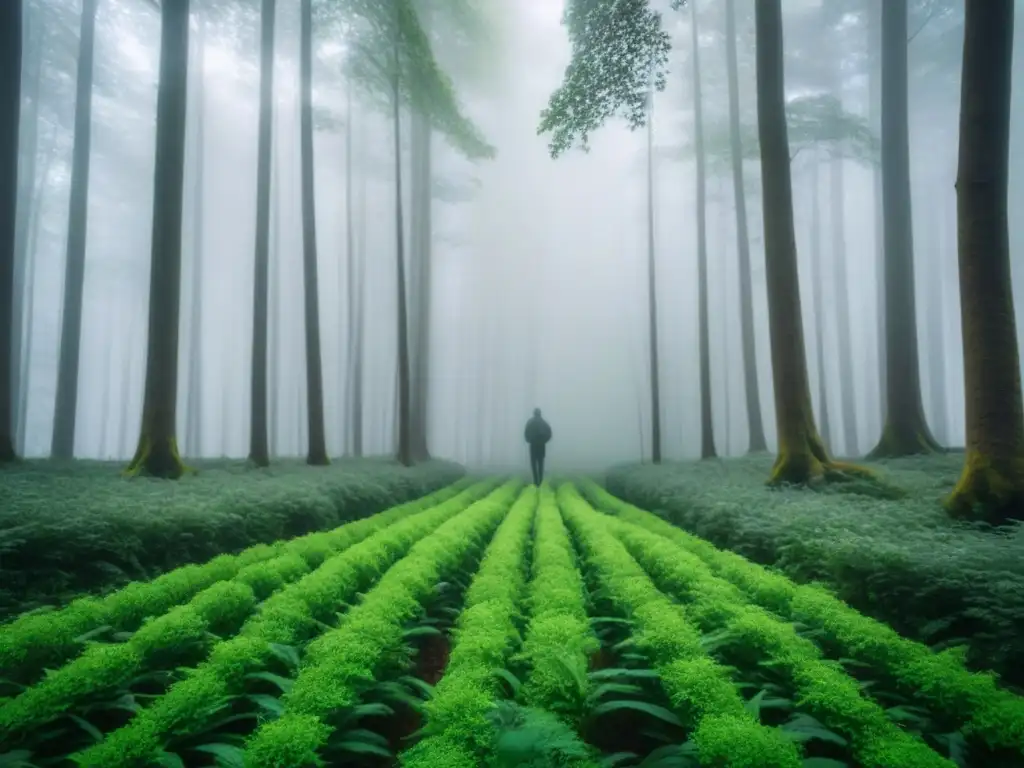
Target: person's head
[[536, 412]]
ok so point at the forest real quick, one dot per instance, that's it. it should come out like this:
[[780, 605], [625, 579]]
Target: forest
[[281, 281]]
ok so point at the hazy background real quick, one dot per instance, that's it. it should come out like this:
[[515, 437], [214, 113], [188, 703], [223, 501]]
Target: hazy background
[[539, 279]]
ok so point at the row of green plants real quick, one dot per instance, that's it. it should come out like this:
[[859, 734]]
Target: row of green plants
[[710, 706], [45, 640], [971, 702], [72, 529], [343, 663], [458, 713], [140, 722]]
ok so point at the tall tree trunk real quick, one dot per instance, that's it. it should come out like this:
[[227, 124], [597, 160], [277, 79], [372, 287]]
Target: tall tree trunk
[[274, 300], [259, 447], [157, 452], [357, 315], [992, 483], [906, 430], [404, 432], [194, 401], [707, 428], [102, 450], [62, 445], [652, 294], [127, 380], [751, 387], [936, 337], [28, 293], [10, 115], [802, 457], [314, 369], [26, 217], [874, 42], [841, 284], [421, 274], [818, 297]]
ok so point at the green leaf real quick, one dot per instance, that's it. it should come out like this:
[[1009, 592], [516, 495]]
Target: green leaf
[[363, 748], [227, 756], [281, 682], [93, 633], [287, 654], [823, 762], [654, 710], [170, 760], [270, 704], [89, 728], [18, 758], [422, 631]]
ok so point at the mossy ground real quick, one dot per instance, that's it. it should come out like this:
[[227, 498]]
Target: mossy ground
[[886, 542]]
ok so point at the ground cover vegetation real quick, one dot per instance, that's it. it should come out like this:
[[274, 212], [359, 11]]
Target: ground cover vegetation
[[938, 581], [70, 528], [488, 624]]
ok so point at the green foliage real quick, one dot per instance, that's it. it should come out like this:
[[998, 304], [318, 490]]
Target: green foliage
[[457, 713], [388, 47], [289, 617], [72, 528], [619, 52], [935, 580], [341, 663]]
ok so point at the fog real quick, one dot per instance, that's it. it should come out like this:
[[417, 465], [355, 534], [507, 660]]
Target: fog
[[539, 270]]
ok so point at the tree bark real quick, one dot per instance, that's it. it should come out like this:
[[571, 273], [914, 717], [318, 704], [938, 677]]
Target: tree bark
[[357, 315], [404, 432], [259, 446], [874, 29], [906, 429], [317, 454], [818, 294], [801, 455], [62, 445], [157, 452], [10, 115], [194, 401], [421, 274], [992, 483], [936, 333], [755, 421], [652, 293], [707, 429]]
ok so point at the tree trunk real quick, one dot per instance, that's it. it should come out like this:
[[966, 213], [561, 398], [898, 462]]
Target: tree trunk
[[801, 457], [751, 387], [906, 430], [992, 483], [314, 370], [936, 337], [652, 294], [404, 435], [357, 315], [10, 115], [157, 452], [274, 301], [62, 445], [420, 273], [874, 44], [26, 225], [841, 283], [818, 297], [194, 401], [102, 451], [259, 447], [707, 429]]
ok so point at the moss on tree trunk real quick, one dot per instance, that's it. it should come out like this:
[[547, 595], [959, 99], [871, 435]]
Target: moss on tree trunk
[[801, 456], [991, 486]]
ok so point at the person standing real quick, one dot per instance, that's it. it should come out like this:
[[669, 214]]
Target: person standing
[[538, 435]]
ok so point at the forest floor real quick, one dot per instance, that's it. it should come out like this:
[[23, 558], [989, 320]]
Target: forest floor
[[81, 527], [888, 548]]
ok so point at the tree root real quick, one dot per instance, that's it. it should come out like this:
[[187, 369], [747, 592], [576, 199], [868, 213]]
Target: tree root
[[812, 466], [988, 491], [7, 452], [895, 443], [159, 458]]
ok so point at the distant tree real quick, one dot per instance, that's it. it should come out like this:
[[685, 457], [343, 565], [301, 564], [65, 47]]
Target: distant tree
[[66, 402], [317, 451], [751, 387], [259, 443], [157, 451], [707, 433], [991, 486], [10, 116], [654, 359], [906, 430]]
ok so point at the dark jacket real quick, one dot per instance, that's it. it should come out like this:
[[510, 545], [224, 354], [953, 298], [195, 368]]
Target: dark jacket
[[538, 432]]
